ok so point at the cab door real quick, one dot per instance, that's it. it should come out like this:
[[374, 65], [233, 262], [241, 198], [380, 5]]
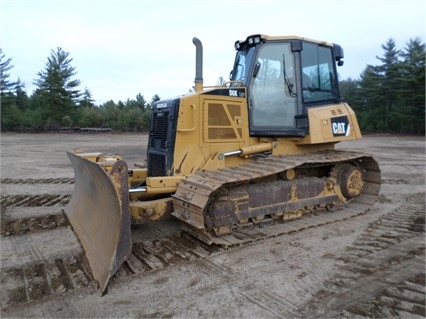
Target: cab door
[[273, 99]]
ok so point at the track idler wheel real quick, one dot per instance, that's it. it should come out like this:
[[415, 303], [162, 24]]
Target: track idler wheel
[[351, 181]]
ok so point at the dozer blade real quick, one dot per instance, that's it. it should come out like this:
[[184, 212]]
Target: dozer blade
[[99, 214]]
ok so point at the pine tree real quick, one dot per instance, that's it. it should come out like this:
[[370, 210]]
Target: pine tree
[[21, 95], [5, 85], [56, 90], [86, 99], [380, 88], [221, 81], [9, 114], [390, 78], [372, 101], [140, 100], [411, 115], [348, 90]]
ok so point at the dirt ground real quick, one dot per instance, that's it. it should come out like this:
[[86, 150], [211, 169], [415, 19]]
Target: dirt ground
[[371, 265]]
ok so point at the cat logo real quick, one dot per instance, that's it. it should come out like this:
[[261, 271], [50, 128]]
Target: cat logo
[[340, 126]]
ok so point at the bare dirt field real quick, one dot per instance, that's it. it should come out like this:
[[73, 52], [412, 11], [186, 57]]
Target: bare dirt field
[[372, 265]]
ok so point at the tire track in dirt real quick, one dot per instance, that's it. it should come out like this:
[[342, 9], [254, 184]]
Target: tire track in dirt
[[29, 271], [53, 277], [39, 277], [390, 252], [405, 299], [33, 224], [34, 200], [12, 221], [156, 246], [36, 265], [38, 274], [276, 306], [159, 253], [31, 181], [394, 181]]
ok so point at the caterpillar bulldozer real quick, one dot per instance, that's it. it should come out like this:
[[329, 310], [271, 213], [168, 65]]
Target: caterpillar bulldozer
[[257, 151]]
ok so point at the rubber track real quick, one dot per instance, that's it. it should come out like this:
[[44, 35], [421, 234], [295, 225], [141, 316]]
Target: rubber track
[[195, 193]]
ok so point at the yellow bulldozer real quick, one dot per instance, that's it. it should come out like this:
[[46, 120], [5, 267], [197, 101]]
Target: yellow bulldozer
[[257, 151]]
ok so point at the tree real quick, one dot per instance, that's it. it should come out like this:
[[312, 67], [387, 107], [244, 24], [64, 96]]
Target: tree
[[221, 81], [86, 99], [154, 99], [390, 78], [379, 87], [140, 101], [371, 100], [411, 115], [5, 85], [349, 89], [89, 117], [56, 89], [21, 95], [391, 96], [9, 113]]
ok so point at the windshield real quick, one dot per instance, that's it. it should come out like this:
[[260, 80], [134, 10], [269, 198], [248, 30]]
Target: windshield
[[243, 62]]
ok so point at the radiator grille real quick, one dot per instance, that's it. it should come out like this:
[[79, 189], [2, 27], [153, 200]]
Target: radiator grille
[[157, 165], [159, 135], [162, 137]]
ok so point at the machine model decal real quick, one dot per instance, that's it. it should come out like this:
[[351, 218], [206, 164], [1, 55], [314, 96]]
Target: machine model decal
[[235, 92], [340, 126]]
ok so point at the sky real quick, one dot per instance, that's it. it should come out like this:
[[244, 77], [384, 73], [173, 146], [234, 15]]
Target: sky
[[122, 48]]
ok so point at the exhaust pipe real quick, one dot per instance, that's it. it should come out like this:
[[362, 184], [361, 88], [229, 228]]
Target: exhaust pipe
[[198, 64]]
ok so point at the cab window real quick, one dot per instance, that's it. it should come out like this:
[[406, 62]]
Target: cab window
[[318, 75]]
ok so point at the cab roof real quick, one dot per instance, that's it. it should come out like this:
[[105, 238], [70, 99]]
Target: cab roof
[[265, 37]]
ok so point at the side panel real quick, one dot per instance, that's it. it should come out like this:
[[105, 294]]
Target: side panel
[[207, 125], [330, 124], [188, 156]]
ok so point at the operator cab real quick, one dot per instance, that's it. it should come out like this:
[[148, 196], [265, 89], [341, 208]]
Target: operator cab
[[284, 76]]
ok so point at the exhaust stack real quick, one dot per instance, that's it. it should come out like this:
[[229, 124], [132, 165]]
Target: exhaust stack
[[198, 64]]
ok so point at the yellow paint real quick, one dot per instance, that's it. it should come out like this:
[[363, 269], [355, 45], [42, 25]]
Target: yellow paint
[[201, 139]]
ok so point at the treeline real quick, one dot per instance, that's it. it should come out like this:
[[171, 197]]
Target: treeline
[[388, 97], [58, 103], [26, 116]]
